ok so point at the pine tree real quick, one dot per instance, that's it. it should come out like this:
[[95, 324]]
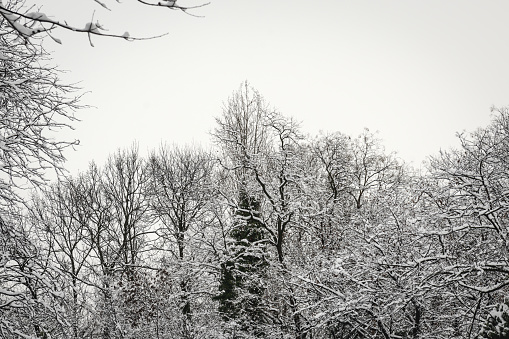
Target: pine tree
[[241, 286]]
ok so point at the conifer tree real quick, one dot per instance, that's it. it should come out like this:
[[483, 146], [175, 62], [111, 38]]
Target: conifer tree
[[242, 136], [241, 285]]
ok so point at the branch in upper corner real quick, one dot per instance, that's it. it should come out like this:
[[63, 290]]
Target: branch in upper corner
[[29, 24]]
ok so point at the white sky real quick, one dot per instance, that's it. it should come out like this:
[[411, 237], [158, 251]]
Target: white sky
[[416, 71]]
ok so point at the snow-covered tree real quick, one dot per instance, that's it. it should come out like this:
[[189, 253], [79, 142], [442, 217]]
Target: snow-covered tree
[[242, 274], [33, 104], [354, 278], [468, 217], [62, 228], [371, 168], [242, 136], [180, 196], [32, 302]]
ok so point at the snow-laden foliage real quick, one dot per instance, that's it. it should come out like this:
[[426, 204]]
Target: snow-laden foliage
[[270, 235]]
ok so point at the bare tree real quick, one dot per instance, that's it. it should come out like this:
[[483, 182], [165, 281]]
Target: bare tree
[[125, 182], [180, 191], [240, 132], [371, 168], [329, 190], [62, 224], [110, 208]]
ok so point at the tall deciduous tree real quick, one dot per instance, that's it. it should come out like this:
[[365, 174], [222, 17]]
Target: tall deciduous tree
[[328, 190], [180, 195], [125, 187], [61, 223]]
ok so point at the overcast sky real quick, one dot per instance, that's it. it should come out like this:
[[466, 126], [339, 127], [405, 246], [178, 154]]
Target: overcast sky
[[416, 71]]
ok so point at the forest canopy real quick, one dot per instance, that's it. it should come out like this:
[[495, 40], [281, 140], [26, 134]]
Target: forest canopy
[[270, 234]]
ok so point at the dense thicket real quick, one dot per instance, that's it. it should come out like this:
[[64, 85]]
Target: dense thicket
[[271, 234]]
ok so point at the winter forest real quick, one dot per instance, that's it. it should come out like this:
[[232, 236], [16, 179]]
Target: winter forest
[[270, 233]]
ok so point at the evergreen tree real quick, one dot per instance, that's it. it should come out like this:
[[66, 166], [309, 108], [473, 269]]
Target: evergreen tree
[[241, 286]]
